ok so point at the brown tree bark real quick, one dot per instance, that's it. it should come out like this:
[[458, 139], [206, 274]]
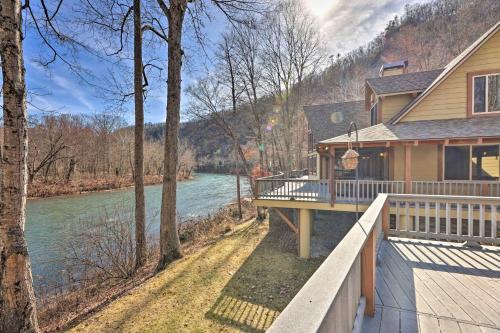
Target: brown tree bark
[[170, 246], [140, 214], [238, 184], [17, 300]]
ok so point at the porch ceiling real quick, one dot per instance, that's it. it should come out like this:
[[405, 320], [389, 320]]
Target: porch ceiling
[[446, 129]]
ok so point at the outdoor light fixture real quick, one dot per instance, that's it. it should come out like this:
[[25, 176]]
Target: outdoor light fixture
[[350, 158], [350, 161]]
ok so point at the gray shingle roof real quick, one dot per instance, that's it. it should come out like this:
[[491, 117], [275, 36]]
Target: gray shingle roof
[[417, 81], [428, 130], [328, 120]]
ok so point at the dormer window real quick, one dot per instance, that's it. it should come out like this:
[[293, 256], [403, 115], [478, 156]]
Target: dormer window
[[486, 93], [373, 115]]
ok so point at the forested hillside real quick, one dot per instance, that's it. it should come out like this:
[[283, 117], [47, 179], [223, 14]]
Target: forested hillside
[[429, 35]]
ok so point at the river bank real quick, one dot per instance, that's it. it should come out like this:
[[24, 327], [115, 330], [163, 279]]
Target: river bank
[[60, 310], [53, 225], [89, 185]]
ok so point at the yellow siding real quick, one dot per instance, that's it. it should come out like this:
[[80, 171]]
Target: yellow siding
[[449, 99], [391, 105], [424, 163]]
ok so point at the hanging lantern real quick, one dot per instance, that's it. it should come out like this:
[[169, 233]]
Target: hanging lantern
[[350, 158]]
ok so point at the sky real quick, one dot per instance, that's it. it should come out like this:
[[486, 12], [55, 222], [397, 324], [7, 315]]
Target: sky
[[344, 24]]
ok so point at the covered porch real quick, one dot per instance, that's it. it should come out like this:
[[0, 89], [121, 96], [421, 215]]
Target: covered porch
[[438, 157]]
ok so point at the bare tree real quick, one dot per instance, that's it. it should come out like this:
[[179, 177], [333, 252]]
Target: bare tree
[[211, 101], [291, 51], [17, 306], [140, 212], [175, 12], [247, 50]]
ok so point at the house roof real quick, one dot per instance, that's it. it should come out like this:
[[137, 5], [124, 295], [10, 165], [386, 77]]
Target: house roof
[[448, 70], [408, 82], [481, 127], [328, 120]]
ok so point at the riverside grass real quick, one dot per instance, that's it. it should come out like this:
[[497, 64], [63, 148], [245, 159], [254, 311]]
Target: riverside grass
[[239, 283]]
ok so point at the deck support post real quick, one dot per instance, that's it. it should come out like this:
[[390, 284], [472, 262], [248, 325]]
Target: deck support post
[[368, 262], [408, 173], [305, 233]]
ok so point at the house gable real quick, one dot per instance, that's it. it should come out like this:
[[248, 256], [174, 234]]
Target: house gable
[[447, 97]]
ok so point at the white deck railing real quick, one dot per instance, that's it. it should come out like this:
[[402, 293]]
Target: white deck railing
[[345, 190], [280, 188], [459, 218]]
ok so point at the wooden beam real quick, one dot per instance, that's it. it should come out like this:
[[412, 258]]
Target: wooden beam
[[440, 176], [385, 220], [286, 220], [415, 143], [368, 262], [408, 171], [387, 144], [331, 176], [304, 233]]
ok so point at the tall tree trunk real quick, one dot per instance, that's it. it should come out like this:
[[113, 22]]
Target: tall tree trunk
[[170, 246], [71, 169], [140, 214], [17, 300], [238, 185]]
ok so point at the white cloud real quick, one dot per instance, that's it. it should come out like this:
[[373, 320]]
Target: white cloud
[[348, 24], [70, 88]]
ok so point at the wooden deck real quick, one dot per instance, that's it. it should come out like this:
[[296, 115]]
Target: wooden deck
[[430, 286]]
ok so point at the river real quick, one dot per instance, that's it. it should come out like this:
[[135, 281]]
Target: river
[[52, 222]]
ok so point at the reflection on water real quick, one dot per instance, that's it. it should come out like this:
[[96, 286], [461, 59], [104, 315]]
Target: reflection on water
[[51, 222]]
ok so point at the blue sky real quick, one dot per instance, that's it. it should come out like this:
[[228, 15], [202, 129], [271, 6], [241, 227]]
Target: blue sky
[[345, 25]]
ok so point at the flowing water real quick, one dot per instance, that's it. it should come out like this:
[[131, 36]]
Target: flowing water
[[52, 222]]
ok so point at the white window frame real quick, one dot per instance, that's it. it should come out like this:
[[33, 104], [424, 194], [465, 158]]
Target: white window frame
[[485, 93], [371, 108]]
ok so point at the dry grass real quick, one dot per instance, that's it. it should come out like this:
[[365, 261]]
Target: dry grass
[[239, 283], [57, 310]]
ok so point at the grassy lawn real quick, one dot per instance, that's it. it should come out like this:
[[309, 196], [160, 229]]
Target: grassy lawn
[[238, 284]]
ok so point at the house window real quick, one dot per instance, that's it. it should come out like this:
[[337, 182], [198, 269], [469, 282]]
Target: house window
[[456, 162], [486, 96], [485, 164], [476, 162], [373, 115]]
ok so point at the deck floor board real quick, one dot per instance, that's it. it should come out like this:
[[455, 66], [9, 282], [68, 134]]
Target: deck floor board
[[430, 286]]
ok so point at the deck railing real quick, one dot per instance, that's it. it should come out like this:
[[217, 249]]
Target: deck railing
[[281, 188], [284, 188], [458, 218], [457, 187], [345, 190], [342, 290]]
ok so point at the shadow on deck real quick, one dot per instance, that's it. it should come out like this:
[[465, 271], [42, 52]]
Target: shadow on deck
[[430, 286]]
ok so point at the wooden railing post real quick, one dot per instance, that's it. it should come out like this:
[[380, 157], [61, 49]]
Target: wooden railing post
[[331, 176], [408, 169], [368, 262], [385, 220]]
